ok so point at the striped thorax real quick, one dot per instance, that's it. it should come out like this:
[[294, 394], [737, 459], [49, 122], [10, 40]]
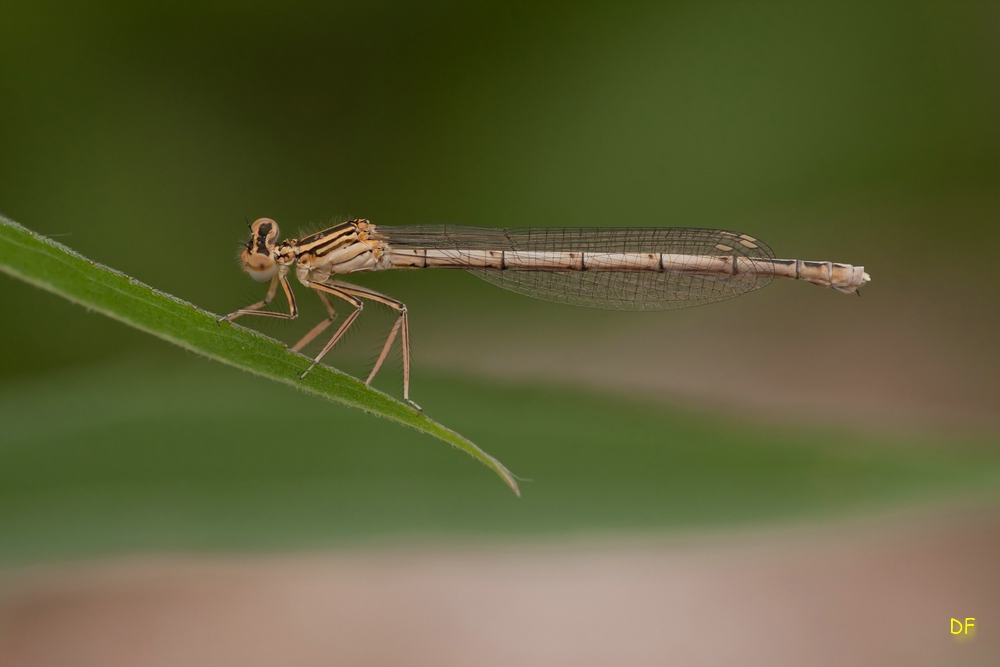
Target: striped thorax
[[342, 249]]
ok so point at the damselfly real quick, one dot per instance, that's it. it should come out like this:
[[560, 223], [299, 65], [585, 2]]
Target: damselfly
[[616, 268]]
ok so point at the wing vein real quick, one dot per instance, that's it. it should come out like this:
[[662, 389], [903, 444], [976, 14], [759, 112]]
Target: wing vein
[[612, 290]]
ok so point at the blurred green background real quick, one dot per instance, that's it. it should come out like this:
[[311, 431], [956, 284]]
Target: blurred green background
[[142, 134]]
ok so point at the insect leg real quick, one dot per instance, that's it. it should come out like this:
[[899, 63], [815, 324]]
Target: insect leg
[[402, 323], [354, 301], [318, 329], [254, 309]]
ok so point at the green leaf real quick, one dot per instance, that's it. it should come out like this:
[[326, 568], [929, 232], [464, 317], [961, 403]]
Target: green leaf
[[54, 267]]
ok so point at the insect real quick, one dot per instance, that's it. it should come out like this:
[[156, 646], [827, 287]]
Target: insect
[[616, 268]]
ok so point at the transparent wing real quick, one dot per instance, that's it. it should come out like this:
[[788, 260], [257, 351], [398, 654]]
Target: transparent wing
[[612, 290]]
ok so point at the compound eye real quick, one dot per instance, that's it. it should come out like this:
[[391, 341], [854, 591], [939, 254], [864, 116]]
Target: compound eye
[[265, 228], [261, 267]]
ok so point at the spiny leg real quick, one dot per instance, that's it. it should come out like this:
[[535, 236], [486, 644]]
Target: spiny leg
[[319, 328], [272, 290], [385, 351], [401, 323], [354, 301], [254, 309]]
